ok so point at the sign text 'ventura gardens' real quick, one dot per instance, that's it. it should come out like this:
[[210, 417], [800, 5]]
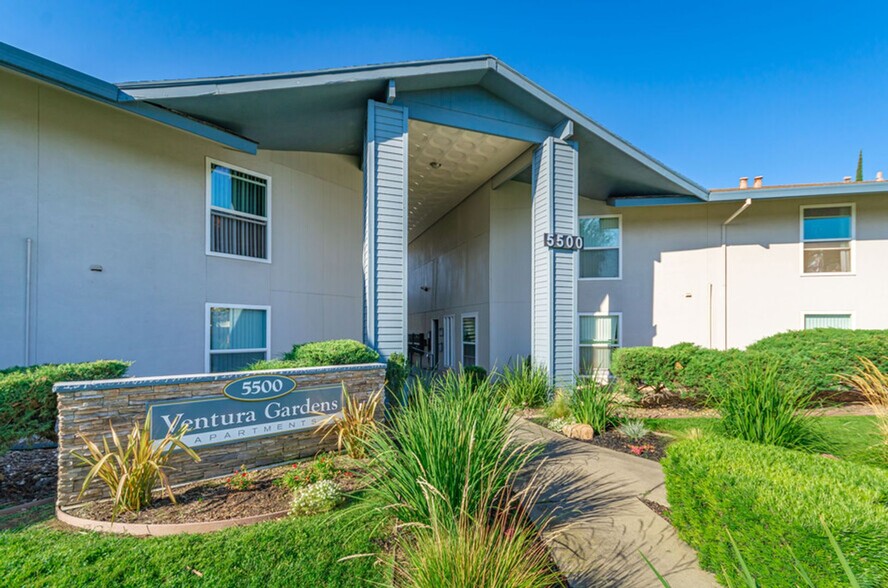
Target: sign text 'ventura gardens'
[[256, 406]]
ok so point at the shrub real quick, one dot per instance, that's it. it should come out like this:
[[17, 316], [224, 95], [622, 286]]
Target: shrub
[[320, 353], [28, 405], [316, 498], [758, 404], [396, 374], [305, 474], [711, 366], [654, 367], [772, 499], [475, 373], [131, 472], [594, 404], [525, 385], [814, 357], [453, 437], [355, 423]]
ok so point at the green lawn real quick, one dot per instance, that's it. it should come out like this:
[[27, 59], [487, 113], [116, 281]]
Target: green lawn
[[291, 552], [850, 437]]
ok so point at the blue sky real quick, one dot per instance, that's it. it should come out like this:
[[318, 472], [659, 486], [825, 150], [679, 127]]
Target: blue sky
[[788, 90]]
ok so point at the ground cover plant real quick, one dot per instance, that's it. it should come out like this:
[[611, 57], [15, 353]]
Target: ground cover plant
[[28, 404], [296, 551], [772, 499], [303, 474], [524, 385], [320, 353]]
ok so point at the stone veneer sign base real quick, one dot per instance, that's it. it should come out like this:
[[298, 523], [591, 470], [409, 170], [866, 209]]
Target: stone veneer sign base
[[234, 419]]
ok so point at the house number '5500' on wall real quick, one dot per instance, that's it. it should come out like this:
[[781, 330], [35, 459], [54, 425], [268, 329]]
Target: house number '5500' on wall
[[562, 241]]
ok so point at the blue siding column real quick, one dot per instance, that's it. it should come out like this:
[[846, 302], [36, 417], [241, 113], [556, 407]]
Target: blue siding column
[[554, 297], [385, 229]]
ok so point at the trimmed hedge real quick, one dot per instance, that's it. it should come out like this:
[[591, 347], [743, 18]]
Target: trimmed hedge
[[770, 499], [815, 356], [27, 403], [320, 353], [810, 358]]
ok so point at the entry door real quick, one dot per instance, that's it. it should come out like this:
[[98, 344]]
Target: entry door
[[449, 323], [433, 344]]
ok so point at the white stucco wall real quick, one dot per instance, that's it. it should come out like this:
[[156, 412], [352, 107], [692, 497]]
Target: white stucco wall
[[92, 185], [672, 288]]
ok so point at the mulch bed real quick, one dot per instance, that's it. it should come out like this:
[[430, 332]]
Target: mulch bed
[[651, 446], [27, 475], [214, 500], [657, 508]]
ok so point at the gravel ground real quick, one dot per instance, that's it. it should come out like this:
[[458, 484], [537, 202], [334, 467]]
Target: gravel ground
[[27, 475]]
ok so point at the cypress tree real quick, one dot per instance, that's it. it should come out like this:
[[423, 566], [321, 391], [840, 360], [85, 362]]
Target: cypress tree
[[860, 166]]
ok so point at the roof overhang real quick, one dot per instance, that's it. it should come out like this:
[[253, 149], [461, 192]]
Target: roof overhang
[[325, 111], [52, 73]]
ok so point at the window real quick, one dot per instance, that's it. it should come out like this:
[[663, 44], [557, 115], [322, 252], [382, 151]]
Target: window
[[239, 208], [238, 336], [827, 234], [469, 339], [830, 321], [599, 336], [602, 239]]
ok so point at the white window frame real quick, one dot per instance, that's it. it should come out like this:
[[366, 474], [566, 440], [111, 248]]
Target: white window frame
[[852, 242], [462, 342], [805, 313], [619, 275], [577, 343], [449, 323], [210, 208], [208, 328]]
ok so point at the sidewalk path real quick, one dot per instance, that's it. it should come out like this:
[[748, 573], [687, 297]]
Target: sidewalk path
[[598, 522]]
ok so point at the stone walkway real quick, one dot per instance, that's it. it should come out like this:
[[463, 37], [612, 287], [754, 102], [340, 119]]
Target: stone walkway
[[599, 525]]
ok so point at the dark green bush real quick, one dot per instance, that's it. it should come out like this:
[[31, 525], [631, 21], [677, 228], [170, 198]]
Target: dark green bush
[[396, 373], [475, 373], [815, 356], [711, 366], [654, 367], [320, 353], [771, 499], [28, 404]]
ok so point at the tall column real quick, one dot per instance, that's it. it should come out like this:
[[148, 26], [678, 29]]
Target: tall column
[[385, 229], [554, 298]]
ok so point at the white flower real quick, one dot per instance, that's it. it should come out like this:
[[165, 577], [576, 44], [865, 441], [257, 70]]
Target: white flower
[[316, 498]]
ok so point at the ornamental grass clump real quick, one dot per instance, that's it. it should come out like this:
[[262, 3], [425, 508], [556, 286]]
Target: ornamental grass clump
[[355, 423], [133, 470], [524, 385], [870, 381], [594, 404], [453, 436], [492, 546], [757, 404]]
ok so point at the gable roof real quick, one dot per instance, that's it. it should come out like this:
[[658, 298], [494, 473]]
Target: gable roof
[[324, 110], [50, 72]]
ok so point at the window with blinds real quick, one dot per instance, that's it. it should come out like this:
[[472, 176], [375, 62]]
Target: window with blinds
[[827, 235], [469, 340], [599, 336], [238, 337], [827, 321], [600, 256], [239, 212]]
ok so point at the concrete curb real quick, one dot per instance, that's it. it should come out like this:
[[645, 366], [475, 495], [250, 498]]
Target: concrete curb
[[162, 530]]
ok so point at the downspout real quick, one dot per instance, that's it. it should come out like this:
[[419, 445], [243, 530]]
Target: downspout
[[28, 244], [724, 246]]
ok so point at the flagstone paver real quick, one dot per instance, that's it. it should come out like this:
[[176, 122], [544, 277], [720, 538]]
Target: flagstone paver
[[598, 522]]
